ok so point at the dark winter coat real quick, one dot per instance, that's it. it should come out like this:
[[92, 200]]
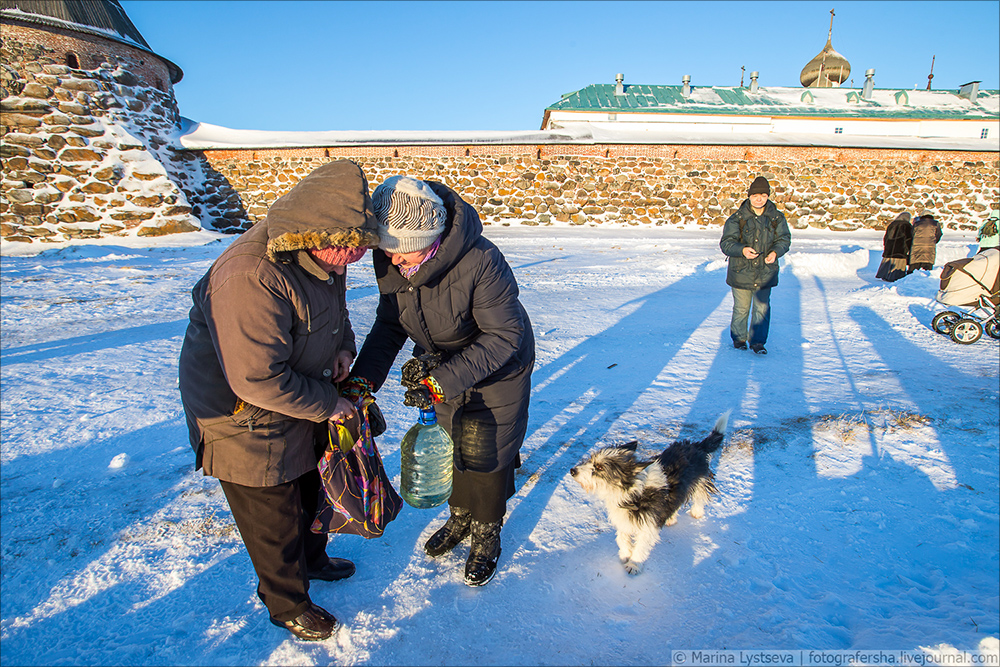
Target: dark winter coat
[[266, 327], [464, 303], [926, 234], [765, 233], [898, 238]]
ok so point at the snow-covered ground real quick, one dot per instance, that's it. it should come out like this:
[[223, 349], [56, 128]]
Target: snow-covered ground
[[858, 504]]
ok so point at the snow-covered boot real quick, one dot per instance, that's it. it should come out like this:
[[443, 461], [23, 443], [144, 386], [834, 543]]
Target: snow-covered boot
[[485, 552], [450, 534]]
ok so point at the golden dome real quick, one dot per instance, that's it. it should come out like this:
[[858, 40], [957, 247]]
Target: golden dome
[[827, 70]]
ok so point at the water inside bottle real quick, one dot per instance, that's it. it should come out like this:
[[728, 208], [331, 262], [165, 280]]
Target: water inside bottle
[[426, 458]]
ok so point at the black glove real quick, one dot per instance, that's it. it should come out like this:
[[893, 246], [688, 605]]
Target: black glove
[[417, 368], [418, 398]]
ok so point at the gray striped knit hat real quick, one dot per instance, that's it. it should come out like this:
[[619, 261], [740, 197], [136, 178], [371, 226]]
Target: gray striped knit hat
[[410, 216]]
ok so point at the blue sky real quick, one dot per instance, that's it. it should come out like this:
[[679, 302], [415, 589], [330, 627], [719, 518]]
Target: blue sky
[[497, 65]]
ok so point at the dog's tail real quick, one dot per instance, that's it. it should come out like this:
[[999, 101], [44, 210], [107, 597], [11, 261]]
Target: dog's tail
[[714, 439]]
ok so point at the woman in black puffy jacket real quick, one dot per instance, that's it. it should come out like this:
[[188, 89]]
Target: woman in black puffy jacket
[[447, 288]]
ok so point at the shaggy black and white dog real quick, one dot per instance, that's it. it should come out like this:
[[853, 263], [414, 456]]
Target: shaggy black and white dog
[[642, 496]]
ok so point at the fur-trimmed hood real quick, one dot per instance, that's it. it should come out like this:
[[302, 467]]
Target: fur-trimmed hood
[[329, 207]]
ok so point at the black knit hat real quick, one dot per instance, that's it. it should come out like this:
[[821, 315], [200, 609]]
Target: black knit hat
[[759, 186]]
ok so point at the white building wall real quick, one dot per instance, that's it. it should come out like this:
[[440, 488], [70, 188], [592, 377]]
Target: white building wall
[[722, 124]]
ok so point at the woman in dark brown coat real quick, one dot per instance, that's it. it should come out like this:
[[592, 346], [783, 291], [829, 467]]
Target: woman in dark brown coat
[[269, 335], [926, 234], [896, 248], [448, 289]]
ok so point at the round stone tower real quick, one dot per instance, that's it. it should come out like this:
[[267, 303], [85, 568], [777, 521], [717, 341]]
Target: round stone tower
[[88, 117]]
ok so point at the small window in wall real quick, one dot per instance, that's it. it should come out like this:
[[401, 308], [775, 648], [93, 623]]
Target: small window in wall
[[838, 130], [72, 60], [984, 133]]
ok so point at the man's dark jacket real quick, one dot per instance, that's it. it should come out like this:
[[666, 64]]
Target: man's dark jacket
[[765, 233]]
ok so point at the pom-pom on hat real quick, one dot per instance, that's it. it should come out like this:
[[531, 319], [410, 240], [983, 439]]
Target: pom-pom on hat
[[410, 215], [759, 186]]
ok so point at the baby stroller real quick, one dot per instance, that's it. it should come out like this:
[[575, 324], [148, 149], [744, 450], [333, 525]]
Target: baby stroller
[[972, 284]]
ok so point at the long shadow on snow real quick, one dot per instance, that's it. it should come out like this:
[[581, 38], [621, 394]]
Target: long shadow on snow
[[821, 563], [831, 549], [83, 532], [925, 377], [840, 540], [93, 342], [899, 353], [801, 535], [776, 377], [188, 625], [71, 523], [591, 385]]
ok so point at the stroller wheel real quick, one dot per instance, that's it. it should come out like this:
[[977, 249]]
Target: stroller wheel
[[944, 321], [992, 328], [967, 332]]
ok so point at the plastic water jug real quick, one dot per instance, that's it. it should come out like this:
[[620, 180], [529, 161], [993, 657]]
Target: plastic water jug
[[426, 454]]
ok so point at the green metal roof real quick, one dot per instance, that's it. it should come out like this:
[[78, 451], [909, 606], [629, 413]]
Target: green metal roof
[[772, 101]]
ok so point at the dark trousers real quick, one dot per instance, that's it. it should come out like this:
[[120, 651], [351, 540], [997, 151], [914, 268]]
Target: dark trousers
[[274, 523]]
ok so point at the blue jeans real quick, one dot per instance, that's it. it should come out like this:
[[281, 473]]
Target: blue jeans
[[761, 320]]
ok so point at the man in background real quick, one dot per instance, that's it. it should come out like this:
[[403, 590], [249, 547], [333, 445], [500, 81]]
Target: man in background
[[753, 238]]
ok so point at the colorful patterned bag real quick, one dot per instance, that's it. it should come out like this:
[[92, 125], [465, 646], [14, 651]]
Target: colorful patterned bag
[[357, 497]]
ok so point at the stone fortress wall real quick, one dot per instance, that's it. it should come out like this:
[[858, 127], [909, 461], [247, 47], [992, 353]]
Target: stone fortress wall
[[89, 150], [87, 147], [833, 188]]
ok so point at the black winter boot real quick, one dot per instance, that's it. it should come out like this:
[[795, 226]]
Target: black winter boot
[[483, 555], [450, 534]]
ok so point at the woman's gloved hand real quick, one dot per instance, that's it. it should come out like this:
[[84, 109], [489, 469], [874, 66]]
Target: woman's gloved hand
[[425, 394], [418, 368]]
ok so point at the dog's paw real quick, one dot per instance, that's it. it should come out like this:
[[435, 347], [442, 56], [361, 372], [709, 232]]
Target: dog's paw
[[697, 512], [632, 567], [671, 521]]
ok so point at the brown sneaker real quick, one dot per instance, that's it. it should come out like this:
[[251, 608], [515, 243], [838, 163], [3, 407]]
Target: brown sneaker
[[314, 624]]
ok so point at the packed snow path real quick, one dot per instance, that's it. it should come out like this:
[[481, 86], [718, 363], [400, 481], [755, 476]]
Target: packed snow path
[[858, 502]]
